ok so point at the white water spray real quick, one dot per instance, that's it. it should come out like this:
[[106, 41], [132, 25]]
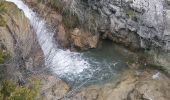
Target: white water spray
[[62, 62]]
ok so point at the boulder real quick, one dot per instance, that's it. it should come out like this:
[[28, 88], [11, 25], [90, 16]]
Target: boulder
[[84, 40]]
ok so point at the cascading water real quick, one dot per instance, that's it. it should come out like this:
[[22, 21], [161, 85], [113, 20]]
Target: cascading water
[[74, 67], [67, 62]]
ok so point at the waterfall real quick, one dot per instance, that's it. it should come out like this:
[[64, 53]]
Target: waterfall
[[75, 68], [62, 62]]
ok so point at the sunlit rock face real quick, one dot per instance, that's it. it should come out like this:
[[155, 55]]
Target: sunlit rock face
[[84, 40], [15, 29], [148, 19], [136, 23], [18, 42], [132, 86]]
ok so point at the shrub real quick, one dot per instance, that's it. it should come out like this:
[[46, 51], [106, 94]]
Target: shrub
[[2, 21], [10, 91], [3, 56], [2, 11], [70, 21], [7, 89], [131, 13], [23, 93], [2, 7]]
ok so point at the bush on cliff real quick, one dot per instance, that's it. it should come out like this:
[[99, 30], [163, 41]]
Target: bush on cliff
[[10, 91], [3, 56], [2, 11], [2, 7]]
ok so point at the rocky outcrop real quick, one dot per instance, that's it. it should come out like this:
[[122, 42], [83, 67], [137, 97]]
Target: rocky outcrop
[[148, 19], [134, 85], [83, 40], [138, 23], [18, 38], [14, 31], [54, 21], [26, 61], [134, 23], [64, 36], [50, 87]]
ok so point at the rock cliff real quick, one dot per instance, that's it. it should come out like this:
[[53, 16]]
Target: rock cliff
[[19, 40], [139, 23], [25, 64], [134, 23]]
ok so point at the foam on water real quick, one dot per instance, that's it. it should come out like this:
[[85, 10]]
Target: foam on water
[[62, 62], [75, 68]]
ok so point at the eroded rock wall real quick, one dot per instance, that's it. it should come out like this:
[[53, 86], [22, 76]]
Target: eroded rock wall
[[18, 39], [138, 23], [134, 23]]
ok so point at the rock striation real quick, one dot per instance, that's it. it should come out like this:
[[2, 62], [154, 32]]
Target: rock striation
[[19, 40], [134, 23], [138, 23]]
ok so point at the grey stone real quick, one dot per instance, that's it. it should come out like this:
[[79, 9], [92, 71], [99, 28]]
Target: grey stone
[[152, 20]]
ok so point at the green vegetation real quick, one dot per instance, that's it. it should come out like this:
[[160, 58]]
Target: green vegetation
[[3, 56], [159, 67], [2, 72], [70, 20], [2, 11], [131, 13], [54, 3], [10, 91], [58, 5], [2, 7], [2, 22]]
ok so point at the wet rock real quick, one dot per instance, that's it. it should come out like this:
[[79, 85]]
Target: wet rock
[[129, 87], [53, 20], [62, 37], [83, 40]]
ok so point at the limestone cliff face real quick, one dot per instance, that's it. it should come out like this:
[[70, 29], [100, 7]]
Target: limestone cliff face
[[65, 36], [16, 29], [18, 38], [134, 23], [53, 20], [144, 23]]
